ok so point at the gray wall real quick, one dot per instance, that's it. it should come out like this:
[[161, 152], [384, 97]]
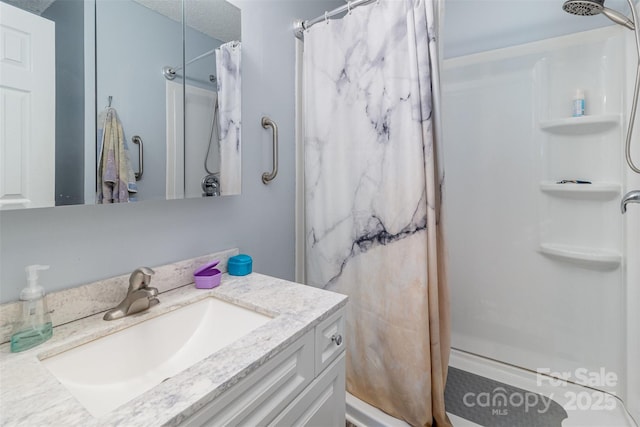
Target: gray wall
[[87, 243], [472, 26], [133, 44], [69, 18]]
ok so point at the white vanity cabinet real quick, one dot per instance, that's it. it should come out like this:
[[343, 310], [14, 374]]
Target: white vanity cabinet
[[287, 371], [303, 385]]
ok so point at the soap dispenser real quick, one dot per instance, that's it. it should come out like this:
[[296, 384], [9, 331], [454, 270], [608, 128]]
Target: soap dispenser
[[34, 325]]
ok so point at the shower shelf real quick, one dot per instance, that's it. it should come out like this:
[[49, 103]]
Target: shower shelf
[[595, 257], [597, 190], [584, 124]]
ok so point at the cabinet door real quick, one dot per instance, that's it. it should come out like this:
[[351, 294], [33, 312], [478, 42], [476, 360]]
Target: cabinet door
[[322, 404], [263, 394]]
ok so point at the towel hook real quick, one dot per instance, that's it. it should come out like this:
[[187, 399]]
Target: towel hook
[[110, 99]]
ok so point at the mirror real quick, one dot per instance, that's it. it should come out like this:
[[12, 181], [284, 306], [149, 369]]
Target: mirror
[[187, 129]]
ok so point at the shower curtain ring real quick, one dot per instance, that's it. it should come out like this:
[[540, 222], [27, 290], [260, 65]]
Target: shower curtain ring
[[326, 17], [348, 8]]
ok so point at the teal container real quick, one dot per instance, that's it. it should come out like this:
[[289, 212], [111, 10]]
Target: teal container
[[240, 265]]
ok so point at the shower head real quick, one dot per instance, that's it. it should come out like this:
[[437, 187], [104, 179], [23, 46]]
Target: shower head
[[596, 7], [583, 7]]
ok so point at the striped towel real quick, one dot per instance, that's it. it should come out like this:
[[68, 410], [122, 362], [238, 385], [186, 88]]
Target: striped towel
[[116, 180]]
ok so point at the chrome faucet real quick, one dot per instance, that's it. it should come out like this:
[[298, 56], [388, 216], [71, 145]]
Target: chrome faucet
[[140, 296], [630, 197]]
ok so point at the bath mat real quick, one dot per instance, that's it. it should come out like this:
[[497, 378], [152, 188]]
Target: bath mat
[[491, 403]]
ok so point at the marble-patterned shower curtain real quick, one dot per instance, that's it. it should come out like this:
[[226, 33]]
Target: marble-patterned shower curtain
[[372, 192], [229, 80]]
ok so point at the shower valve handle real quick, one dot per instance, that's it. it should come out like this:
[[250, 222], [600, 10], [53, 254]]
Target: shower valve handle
[[630, 197]]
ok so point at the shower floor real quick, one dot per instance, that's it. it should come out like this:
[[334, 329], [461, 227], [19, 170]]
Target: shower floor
[[489, 402], [475, 375]]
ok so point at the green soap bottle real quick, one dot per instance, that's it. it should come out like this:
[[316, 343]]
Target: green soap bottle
[[34, 326]]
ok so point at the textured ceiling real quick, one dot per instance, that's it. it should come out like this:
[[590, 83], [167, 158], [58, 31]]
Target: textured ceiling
[[34, 6], [216, 18]]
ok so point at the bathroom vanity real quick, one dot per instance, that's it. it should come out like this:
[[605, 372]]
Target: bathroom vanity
[[289, 369]]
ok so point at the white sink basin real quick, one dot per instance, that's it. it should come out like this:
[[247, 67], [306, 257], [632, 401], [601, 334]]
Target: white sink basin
[[105, 373]]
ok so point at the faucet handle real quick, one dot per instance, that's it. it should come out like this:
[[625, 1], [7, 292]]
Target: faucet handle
[[140, 277]]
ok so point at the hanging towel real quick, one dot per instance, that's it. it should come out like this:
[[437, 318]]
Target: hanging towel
[[228, 58], [116, 179]]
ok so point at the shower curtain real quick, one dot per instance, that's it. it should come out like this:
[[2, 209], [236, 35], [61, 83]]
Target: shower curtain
[[229, 80], [372, 193]]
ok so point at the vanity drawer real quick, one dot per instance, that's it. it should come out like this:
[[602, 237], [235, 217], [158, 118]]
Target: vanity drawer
[[329, 340], [263, 394]]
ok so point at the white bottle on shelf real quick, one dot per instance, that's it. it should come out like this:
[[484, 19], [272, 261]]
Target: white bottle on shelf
[[578, 103]]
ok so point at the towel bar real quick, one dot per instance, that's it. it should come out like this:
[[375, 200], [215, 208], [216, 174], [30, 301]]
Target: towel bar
[[268, 177], [138, 141]]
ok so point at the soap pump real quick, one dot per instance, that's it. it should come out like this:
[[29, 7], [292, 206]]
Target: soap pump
[[34, 326]]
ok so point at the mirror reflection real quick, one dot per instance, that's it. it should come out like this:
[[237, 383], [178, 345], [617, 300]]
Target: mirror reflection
[[151, 110]]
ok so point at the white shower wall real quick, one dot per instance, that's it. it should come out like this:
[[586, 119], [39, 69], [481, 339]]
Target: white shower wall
[[185, 162], [537, 268], [632, 267]]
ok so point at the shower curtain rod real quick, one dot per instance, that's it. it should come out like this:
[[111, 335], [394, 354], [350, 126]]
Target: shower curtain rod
[[197, 58], [299, 26], [170, 72]]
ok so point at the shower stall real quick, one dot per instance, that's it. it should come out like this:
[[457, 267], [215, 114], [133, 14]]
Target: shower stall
[[543, 265], [185, 167]]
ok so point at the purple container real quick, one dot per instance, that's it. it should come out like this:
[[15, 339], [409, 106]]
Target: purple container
[[207, 276]]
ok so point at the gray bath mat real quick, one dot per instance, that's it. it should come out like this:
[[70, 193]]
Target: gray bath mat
[[491, 403]]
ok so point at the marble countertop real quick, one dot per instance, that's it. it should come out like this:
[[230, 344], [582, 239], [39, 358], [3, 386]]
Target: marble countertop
[[31, 396]]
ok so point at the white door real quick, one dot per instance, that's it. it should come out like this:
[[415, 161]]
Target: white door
[[27, 109]]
